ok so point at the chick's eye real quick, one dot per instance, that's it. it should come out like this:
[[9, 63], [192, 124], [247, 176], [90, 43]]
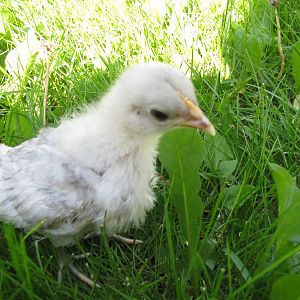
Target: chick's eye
[[159, 115]]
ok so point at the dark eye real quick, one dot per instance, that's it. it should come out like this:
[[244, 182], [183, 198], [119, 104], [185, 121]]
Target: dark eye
[[159, 115]]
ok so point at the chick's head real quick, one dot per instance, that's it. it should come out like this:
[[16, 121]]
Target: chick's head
[[154, 98]]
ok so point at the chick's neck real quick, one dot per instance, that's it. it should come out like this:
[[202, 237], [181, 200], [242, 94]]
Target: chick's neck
[[97, 141]]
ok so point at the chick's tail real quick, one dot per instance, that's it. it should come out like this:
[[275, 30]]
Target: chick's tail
[[4, 149]]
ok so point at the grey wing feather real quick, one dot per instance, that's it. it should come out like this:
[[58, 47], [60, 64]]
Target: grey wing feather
[[38, 183], [4, 149]]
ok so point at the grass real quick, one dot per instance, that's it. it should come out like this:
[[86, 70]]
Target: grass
[[230, 51]]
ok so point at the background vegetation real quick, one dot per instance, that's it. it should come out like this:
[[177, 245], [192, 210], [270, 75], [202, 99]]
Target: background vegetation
[[233, 238]]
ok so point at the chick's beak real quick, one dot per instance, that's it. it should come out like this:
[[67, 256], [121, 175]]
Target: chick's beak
[[196, 118]]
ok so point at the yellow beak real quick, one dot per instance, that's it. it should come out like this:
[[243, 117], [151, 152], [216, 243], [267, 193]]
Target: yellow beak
[[196, 118]]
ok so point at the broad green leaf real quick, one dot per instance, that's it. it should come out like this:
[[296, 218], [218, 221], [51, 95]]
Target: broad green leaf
[[296, 64], [224, 111], [219, 156], [182, 143], [288, 229], [236, 195], [238, 263], [287, 191], [296, 103], [254, 51], [226, 167], [286, 288], [250, 41], [288, 237], [18, 128], [19, 58], [181, 152], [208, 252], [260, 33], [217, 150], [265, 37], [239, 39], [2, 125], [261, 15]]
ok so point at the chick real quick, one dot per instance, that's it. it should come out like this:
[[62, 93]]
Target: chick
[[95, 168]]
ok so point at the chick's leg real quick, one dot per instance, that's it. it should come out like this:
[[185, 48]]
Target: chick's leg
[[66, 261], [116, 237], [126, 240]]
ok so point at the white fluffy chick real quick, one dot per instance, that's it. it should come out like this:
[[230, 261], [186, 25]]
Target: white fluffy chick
[[95, 169]]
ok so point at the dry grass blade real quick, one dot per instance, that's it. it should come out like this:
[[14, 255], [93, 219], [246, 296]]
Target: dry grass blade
[[274, 3]]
